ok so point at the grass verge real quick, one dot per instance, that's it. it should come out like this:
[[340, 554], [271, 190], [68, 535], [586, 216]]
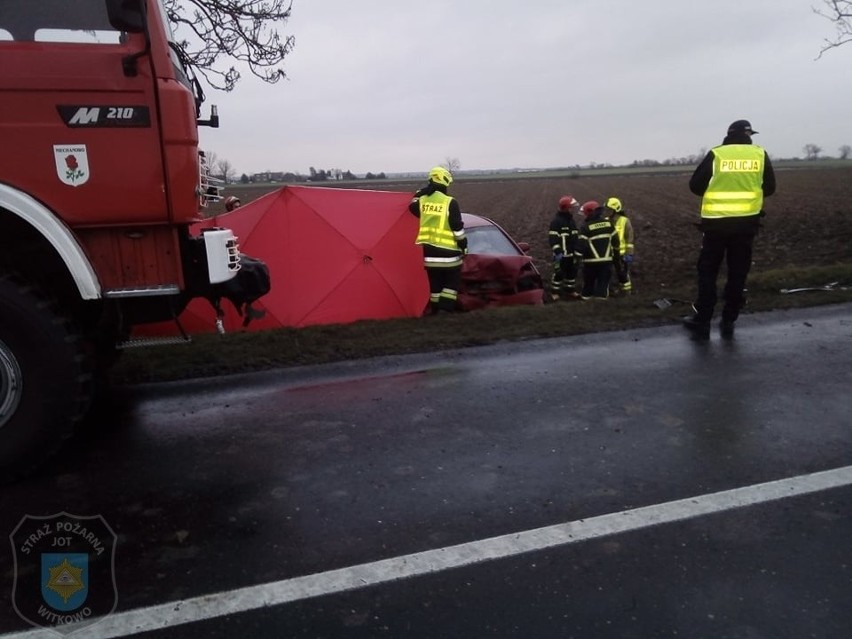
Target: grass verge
[[213, 355]]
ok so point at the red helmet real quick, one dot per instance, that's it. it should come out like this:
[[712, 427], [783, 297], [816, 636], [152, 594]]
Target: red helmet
[[589, 207], [567, 203]]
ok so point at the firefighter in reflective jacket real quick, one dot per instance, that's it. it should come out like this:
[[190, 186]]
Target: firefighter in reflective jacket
[[562, 237], [623, 261], [596, 245], [442, 237]]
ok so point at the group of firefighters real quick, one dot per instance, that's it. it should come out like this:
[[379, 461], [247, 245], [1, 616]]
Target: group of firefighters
[[732, 180], [603, 243]]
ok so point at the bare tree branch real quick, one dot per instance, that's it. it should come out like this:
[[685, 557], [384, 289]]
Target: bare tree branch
[[840, 13], [243, 30]]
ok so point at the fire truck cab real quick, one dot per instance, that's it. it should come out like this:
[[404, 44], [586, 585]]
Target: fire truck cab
[[101, 180]]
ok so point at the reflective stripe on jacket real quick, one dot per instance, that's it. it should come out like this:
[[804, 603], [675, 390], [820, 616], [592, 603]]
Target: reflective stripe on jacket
[[435, 222], [440, 258], [598, 238], [562, 234], [736, 188]]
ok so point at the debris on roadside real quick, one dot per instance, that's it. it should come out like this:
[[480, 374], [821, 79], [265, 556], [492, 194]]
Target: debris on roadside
[[831, 286], [665, 302]]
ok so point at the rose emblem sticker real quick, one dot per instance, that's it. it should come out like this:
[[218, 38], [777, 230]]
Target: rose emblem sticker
[[72, 163]]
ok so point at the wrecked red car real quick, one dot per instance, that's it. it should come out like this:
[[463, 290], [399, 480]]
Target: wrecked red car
[[496, 271]]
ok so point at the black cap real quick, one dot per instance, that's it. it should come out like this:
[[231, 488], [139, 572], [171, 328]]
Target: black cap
[[741, 126]]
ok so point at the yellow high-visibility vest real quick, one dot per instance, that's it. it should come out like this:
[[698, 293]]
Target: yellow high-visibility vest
[[736, 188], [435, 221]]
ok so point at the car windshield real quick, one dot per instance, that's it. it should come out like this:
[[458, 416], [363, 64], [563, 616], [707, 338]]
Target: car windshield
[[489, 240]]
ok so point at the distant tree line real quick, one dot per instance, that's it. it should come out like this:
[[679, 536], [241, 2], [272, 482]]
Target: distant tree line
[[811, 152], [687, 159], [314, 175], [223, 169]]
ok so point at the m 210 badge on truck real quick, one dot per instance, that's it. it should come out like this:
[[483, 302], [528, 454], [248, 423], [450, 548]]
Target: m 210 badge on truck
[[78, 116]]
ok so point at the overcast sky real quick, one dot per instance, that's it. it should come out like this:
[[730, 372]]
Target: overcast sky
[[402, 85]]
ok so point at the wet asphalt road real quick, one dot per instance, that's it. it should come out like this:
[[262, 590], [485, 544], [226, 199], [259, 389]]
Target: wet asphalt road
[[216, 485]]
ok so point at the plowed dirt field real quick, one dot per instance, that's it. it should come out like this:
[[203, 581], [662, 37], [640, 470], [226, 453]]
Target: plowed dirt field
[[808, 220]]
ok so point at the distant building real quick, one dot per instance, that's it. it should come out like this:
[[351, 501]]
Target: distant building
[[277, 176]]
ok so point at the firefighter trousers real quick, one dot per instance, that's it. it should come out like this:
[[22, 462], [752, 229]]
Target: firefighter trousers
[[564, 278], [444, 283], [622, 272], [596, 277]]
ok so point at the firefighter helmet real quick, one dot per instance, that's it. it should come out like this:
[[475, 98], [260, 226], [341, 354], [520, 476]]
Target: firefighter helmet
[[567, 203], [615, 204], [589, 207], [232, 202], [440, 175]]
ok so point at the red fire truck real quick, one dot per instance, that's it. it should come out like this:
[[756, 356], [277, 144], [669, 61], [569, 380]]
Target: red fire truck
[[101, 179]]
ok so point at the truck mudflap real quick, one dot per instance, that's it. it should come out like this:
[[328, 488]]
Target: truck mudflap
[[249, 284]]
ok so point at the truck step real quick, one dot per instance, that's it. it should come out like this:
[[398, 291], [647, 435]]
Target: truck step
[[139, 342]]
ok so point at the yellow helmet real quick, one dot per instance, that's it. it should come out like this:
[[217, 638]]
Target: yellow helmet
[[615, 204], [440, 175]]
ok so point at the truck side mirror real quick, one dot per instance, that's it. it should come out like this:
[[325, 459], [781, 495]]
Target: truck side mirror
[[126, 15]]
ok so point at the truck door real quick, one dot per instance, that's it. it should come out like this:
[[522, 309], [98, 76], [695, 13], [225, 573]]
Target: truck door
[[79, 124]]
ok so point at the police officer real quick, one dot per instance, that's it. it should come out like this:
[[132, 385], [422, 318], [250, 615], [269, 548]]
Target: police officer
[[442, 237], [732, 180], [562, 237]]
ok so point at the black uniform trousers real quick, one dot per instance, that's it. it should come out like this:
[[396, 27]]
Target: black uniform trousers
[[735, 249], [596, 277]]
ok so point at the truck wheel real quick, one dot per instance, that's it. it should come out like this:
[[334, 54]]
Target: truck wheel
[[44, 384]]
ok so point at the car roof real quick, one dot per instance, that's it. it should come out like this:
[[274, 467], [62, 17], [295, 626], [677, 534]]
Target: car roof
[[471, 220]]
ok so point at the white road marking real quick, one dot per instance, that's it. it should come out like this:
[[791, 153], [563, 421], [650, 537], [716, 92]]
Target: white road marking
[[431, 561]]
